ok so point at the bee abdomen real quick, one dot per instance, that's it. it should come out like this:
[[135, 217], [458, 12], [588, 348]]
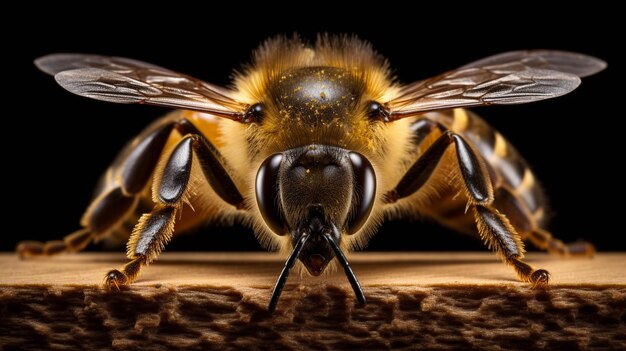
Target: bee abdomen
[[516, 191]]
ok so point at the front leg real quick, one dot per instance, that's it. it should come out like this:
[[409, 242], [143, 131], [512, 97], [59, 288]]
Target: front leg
[[494, 227], [155, 229], [475, 179], [500, 236], [151, 234]]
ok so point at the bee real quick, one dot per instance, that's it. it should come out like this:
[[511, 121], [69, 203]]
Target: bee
[[313, 146]]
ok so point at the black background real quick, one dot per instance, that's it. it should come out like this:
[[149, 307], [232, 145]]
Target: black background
[[570, 142]]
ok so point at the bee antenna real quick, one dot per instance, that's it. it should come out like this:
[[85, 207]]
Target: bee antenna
[[344, 263], [282, 279]]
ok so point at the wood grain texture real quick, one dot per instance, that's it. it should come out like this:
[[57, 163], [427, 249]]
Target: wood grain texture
[[219, 300]]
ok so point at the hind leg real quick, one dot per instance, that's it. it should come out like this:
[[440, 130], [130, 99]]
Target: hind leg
[[73, 242], [107, 211], [543, 239]]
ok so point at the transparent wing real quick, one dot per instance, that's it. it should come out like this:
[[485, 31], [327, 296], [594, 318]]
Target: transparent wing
[[561, 61], [511, 78], [127, 81]]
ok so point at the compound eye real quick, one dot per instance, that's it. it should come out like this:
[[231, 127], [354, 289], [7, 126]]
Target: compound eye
[[255, 113], [267, 193], [376, 111], [365, 189]]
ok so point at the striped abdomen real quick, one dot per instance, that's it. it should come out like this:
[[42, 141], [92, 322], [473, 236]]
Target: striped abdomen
[[516, 192]]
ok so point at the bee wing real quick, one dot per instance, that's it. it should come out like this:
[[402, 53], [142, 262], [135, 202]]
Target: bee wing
[[127, 81], [561, 61], [510, 78]]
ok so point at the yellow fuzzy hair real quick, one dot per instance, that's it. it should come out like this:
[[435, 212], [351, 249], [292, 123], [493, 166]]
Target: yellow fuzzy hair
[[279, 54]]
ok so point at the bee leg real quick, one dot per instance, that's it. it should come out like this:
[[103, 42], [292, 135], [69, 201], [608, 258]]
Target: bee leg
[[494, 227], [476, 180], [73, 242], [500, 236], [105, 212], [508, 203], [154, 230], [212, 164], [543, 239], [110, 208]]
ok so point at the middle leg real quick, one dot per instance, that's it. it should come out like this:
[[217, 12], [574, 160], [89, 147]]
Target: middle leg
[[529, 225]]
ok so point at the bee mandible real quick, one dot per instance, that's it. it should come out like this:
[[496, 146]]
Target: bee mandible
[[313, 146]]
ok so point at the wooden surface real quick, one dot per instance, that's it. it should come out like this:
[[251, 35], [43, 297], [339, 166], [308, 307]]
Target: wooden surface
[[219, 300], [260, 270]]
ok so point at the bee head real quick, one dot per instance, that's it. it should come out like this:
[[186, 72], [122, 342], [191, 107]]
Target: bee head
[[315, 194], [318, 190]]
